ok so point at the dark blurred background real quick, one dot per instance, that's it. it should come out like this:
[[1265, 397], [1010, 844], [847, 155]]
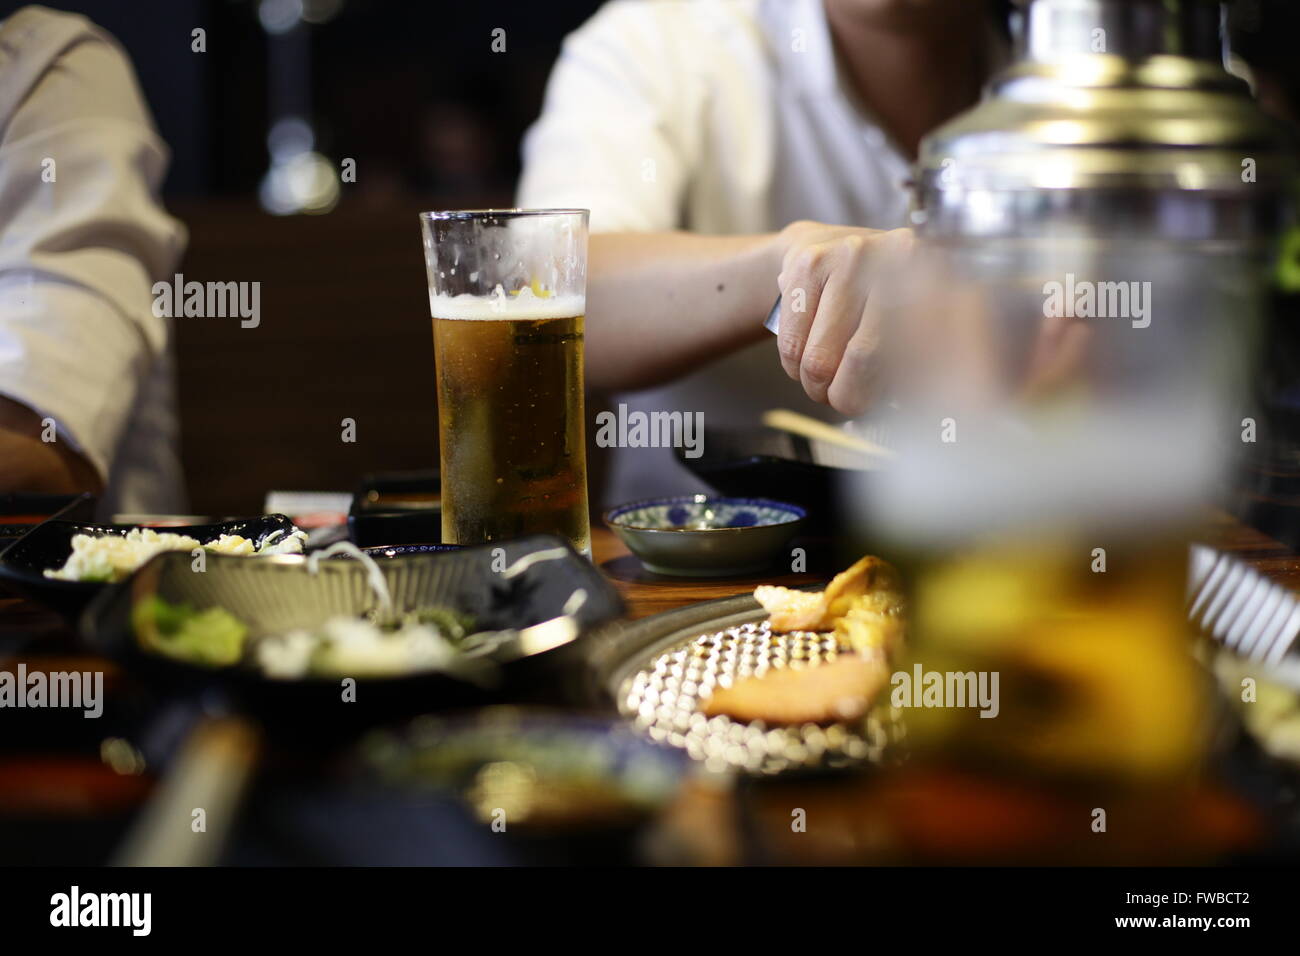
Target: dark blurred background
[[286, 90], [411, 89], [260, 125]]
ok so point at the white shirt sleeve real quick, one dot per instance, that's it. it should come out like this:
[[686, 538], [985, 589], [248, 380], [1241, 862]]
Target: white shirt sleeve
[[616, 133], [82, 233]]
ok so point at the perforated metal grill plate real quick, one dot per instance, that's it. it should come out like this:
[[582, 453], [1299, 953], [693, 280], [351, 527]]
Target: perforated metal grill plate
[[664, 699]]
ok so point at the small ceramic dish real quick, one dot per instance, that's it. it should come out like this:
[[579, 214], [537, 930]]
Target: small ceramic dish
[[706, 535], [550, 771]]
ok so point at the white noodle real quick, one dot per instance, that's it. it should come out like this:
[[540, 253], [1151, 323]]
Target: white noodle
[[537, 557], [576, 600], [374, 575]]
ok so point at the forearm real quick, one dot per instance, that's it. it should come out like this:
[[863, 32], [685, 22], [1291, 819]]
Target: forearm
[[28, 464], [661, 304]]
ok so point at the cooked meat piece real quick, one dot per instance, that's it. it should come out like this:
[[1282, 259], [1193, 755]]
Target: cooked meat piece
[[873, 623], [871, 579], [820, 694], [791, 610]]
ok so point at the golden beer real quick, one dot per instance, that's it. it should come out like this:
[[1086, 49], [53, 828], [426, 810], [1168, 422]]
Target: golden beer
[[508, 296], [510, 417]]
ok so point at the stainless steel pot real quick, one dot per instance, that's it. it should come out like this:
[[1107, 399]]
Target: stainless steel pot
[[1117, 179], [1116, 118]]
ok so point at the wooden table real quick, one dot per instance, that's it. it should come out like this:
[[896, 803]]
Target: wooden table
[[39, 638], [645, 593]]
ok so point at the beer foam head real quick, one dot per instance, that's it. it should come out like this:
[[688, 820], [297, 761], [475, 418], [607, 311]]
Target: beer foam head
[[500, 305]]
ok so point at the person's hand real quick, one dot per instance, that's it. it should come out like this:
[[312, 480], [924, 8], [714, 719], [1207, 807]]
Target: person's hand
[[830, 328]]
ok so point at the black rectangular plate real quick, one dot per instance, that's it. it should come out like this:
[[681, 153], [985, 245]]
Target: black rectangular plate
[[276, 594], [373, 523], [47, 546]]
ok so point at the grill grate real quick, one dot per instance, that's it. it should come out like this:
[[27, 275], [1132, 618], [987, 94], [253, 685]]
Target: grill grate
[[664, 699]]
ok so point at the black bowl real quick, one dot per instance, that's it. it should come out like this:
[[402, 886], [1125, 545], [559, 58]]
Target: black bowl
[[275, 594], [47, 546], [406, 550], [767, 463]]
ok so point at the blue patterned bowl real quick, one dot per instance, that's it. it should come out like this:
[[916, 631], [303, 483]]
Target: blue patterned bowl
[[706, 535]]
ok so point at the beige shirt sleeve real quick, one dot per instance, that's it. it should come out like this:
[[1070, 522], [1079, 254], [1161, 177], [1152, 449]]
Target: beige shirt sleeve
[[83, 235], [616, 133]]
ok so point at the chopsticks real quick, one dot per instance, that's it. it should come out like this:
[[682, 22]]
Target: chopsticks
[[210, 774], [795, 423]]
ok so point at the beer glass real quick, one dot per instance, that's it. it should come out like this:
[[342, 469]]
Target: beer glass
[[508, 293]]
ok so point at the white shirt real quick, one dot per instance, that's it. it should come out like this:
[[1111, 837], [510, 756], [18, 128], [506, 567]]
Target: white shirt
[[82, 239], [722, 117]]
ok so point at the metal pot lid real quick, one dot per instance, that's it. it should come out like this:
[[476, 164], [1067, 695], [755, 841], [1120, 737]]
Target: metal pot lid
[[1061, 117]]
